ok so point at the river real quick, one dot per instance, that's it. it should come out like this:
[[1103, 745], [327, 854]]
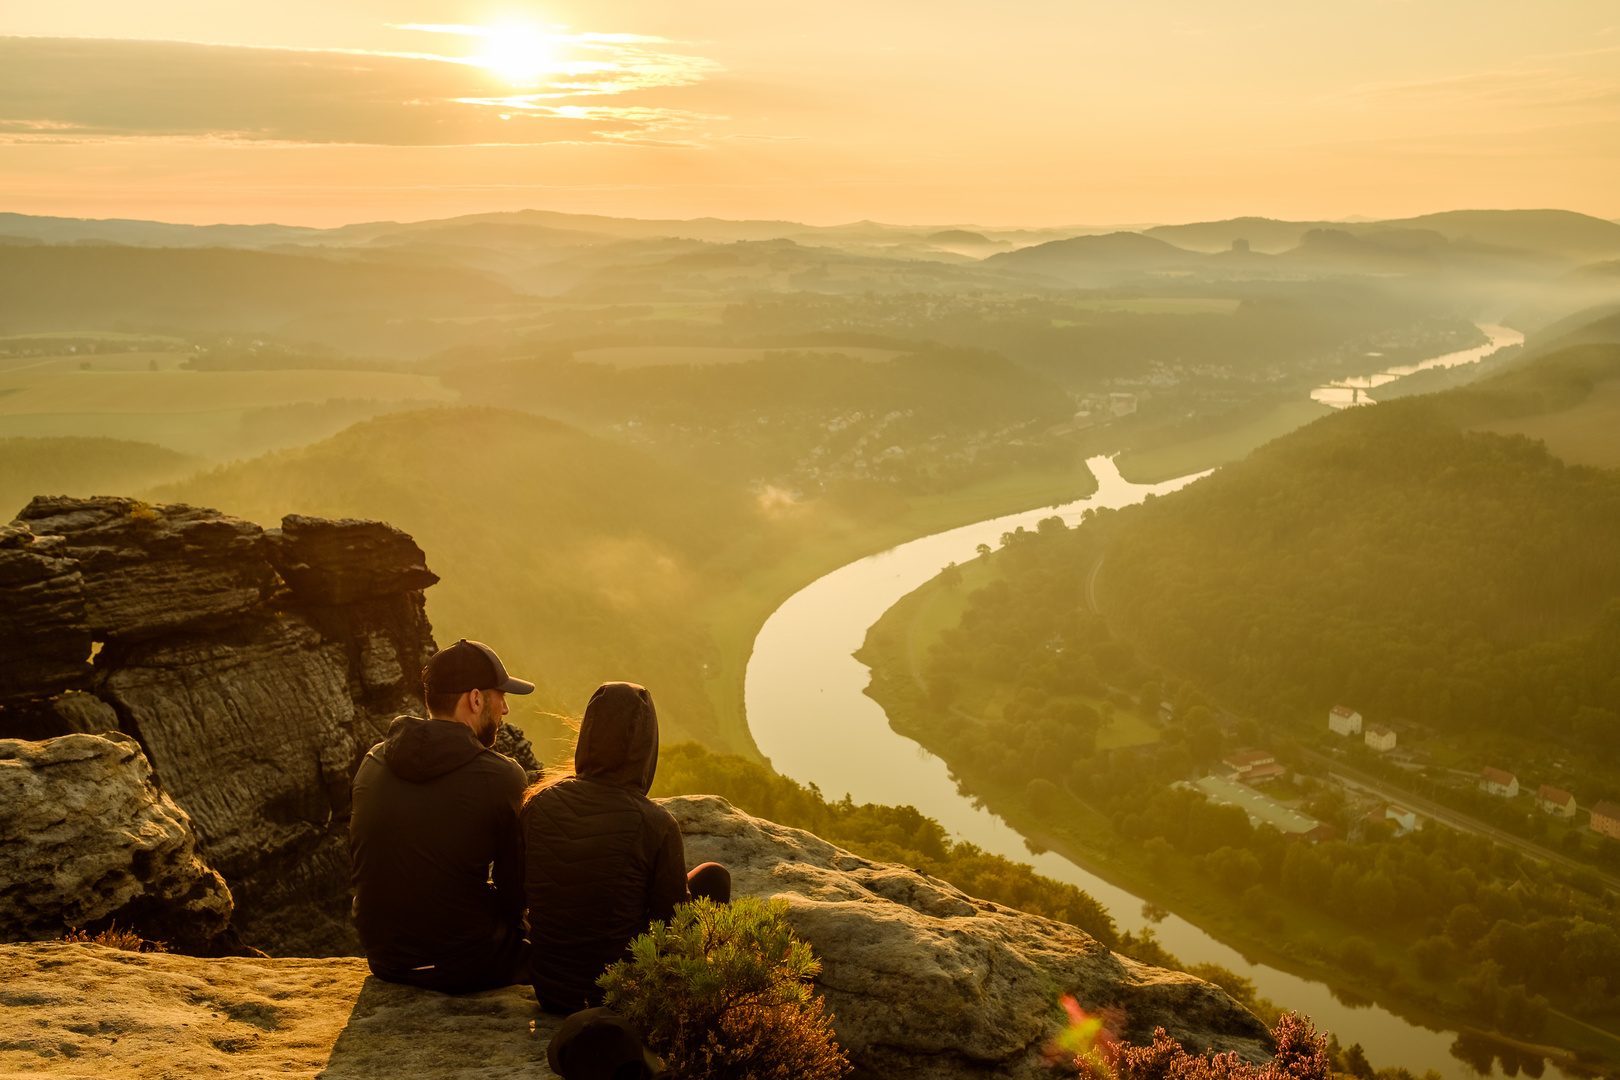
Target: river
[[809, 715], [1343, 393]]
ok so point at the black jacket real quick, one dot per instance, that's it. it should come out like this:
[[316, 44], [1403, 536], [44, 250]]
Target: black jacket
[[601, 859], [433, 810]]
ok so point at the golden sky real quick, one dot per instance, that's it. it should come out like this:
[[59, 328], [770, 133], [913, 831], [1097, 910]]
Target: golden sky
[[323, 112]]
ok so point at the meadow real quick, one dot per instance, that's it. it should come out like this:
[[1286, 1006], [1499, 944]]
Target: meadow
[[1587, 434]]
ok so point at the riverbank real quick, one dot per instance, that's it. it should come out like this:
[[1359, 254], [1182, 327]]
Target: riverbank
[[733, 618], [1264, 925]]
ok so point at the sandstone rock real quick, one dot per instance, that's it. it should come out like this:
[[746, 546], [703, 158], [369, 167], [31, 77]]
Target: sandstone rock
[[87, 839], [85, 1010], [327, 561], [43, 634], [926, 982], [253, 731], [71, 713], [151, 569]]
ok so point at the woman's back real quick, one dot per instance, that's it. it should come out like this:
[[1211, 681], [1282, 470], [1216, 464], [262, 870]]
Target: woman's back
[[601, 859]]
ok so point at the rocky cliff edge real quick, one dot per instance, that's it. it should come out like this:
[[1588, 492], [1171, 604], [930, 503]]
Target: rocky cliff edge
[[924, 983]]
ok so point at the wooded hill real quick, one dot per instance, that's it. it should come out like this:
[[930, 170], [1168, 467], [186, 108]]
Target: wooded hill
[[1394, 558]]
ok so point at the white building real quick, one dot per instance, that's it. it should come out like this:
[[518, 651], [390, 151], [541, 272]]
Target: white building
[[1343, 720], [1380, 738], [1496, 782], [1557, 801], [1121, 404]]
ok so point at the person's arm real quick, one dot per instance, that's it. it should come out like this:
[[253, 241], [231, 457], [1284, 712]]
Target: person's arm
[[668, 885], [507, 873]]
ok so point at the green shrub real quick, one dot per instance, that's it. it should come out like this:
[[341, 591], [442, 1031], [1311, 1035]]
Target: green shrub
[[722, 992]]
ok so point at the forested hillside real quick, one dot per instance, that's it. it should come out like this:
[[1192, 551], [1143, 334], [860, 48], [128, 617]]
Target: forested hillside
[[1390, 557], [578, 559]]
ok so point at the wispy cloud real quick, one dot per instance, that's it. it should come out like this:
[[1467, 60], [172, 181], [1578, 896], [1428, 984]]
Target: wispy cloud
[[78, 89]]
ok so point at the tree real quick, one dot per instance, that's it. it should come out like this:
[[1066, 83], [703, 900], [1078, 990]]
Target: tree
[[951, 576]]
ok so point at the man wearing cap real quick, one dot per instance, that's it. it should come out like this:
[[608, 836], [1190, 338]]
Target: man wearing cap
[[434, 842]]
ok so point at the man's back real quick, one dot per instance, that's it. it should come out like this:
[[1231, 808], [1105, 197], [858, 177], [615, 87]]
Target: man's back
[[434, 813]]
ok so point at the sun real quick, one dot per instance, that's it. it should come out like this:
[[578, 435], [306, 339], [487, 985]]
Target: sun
[[520, 54]]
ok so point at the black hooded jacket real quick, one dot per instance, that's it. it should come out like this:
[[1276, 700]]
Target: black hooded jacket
[[601, 859], [433, 809]]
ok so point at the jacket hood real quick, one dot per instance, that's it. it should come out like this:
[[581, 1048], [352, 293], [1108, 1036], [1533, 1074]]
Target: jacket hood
[[419, 750], [618, 739]]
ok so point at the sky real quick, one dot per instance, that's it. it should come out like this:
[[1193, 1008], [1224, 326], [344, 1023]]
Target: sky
[[1021, 112]]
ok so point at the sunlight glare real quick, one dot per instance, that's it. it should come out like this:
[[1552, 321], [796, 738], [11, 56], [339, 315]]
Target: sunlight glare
[[520, 54]]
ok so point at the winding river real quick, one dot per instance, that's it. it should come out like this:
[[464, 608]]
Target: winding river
[[809, 715]]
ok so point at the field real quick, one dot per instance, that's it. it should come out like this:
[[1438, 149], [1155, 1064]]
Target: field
[[1588, 434], [1150, 466], [639, 356], [1163, 305], [147, 397]]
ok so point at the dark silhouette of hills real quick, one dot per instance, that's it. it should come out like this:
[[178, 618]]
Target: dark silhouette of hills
[[1083, 258], [1561, 233]]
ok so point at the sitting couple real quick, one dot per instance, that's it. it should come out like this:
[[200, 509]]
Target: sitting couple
[[449, 850]]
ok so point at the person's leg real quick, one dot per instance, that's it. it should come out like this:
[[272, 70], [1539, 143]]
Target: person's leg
[[711, 880]]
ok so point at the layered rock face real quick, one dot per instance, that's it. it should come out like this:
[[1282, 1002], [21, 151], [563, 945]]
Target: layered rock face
[[87, 839], [254, 666], [925, 983]]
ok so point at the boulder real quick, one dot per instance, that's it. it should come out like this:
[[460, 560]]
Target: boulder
[[88, 839], [926, 982], [327, 561], [150, 569], [44, 637], [85, 1010], [254, 702]]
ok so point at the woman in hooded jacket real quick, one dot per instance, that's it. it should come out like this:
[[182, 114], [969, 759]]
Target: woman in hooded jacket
[[602, 860]]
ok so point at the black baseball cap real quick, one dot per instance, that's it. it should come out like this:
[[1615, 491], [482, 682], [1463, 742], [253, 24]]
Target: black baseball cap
[[469, 665]]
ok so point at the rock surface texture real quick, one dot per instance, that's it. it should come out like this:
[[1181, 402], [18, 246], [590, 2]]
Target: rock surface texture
[[89, 1011], [924, 982], [255, 668], [87, 839]]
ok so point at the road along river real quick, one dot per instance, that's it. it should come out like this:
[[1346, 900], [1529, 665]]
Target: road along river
[[809, 715]]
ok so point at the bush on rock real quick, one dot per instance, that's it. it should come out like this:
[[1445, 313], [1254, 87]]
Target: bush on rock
[[722, 992]]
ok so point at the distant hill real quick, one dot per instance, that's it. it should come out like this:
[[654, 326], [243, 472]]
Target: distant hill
[[1392, 559], [1263, 234], [1578, 237], [83, 467], [581, 560], [1084, 258], [55, 288], [1562, 233]]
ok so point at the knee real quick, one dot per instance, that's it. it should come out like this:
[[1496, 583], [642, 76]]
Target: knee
[[710, 880]]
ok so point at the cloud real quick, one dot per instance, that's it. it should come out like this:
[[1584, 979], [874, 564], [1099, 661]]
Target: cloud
[[98, 90]]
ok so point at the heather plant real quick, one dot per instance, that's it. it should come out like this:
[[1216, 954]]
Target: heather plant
[[722, 992], [115, 938], [1087, 1047]]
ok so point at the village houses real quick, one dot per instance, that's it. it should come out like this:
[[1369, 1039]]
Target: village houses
[[1379, 738], [1606, 819], [1253, 766], [1497, 782], [1343, 720], [1551, 800]]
